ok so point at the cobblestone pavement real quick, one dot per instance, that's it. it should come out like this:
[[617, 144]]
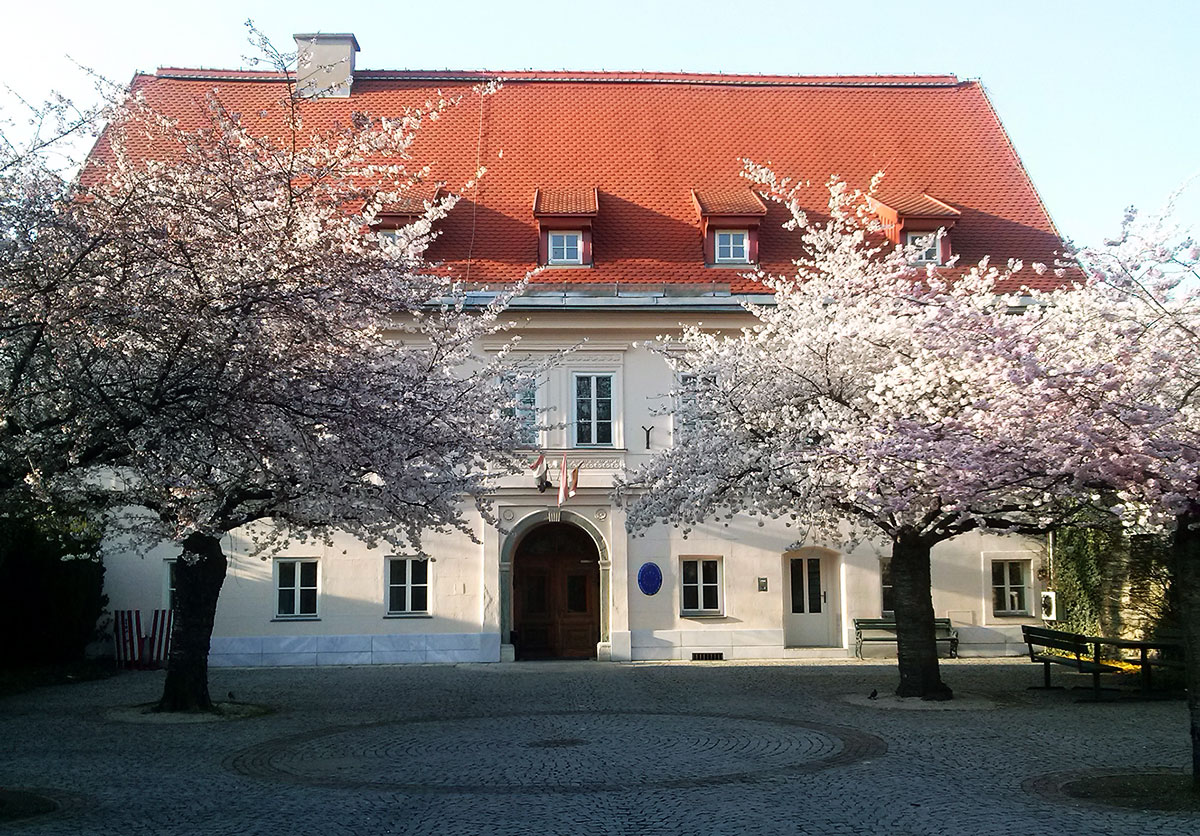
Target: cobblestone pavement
[[588, 748]]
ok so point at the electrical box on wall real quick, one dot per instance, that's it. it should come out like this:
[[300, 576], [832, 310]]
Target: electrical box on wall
[[1049, 606], [762, 584]]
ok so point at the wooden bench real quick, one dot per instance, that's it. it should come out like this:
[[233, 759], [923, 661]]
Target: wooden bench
[[884, 630], [1150, 654], [1083, 653]]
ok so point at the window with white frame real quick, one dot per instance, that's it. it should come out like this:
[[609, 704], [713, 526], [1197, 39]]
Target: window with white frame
[[296, 588], [593, 410], [565, 248], [524, 409], [885, 583], [691, 389], [700, 585], [169, 583], [927, 245], [407, 586], [1010, 587], [731, 246]]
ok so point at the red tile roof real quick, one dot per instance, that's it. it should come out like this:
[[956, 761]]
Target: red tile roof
[[646, 140], [413, 201], [734, 200], [582, 202], [918, 206]]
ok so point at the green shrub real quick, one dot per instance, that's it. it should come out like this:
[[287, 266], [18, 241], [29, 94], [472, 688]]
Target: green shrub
[[51, 586]]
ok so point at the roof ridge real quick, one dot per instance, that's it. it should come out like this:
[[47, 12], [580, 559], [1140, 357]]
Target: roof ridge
[[595, 76]]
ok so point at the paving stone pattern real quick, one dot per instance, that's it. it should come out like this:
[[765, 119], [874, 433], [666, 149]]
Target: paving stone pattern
[[587, 748]]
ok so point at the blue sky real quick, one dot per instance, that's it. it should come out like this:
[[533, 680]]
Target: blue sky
[[1099, 97]]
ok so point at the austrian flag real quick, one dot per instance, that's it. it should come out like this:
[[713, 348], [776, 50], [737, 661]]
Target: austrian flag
[[562, 482]]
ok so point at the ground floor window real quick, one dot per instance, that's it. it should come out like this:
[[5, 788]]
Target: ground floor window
[[296, 588], [1010, 587], [889, 593], [407, 586], [701, 585], [169, 583]]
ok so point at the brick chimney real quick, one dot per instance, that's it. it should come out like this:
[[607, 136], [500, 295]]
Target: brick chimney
[[325, 65]]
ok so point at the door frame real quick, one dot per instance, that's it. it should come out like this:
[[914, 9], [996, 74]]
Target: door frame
[[831, 580], [508, 550]]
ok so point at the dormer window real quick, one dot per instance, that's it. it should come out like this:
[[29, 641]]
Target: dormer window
[[928, 246], [565, 248], [564, 219], [729, 220], [917, 220], [394, 220], [731, 246]]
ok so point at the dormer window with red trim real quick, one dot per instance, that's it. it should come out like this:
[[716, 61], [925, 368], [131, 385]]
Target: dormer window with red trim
[[564, 218], [729, 220], [929, 244], [918, 220], [406, 209]]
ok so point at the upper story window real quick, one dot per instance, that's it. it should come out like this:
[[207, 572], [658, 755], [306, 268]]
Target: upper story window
[[928, 246], [593, 410], [565, 248], [693, 393], [732, 246], [917, 221], [524, 409], [396, 222], [729, 221], [564, 219]]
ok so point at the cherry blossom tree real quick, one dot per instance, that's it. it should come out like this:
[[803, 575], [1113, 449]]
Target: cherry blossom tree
[[41, 244], [872, 398], [230, 346], [1127, 338]]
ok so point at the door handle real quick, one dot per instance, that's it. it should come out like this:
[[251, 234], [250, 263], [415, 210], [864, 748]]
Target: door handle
[[824, 597]]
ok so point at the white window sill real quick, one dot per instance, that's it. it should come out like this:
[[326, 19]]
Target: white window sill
[[296, 618], [408, 615], [701, 615], [567, 264], [734, 264]]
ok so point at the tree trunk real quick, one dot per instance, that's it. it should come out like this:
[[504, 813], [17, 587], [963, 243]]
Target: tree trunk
[[916, 643], [199, 575], [1185, 553]]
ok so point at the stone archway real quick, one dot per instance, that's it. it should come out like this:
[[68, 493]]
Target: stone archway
[[577, 534]]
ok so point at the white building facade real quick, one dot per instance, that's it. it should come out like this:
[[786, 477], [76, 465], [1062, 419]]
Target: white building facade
[[570, 581], [635, 209]]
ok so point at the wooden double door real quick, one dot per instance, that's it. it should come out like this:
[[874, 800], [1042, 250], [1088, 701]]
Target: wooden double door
[[556, 594]]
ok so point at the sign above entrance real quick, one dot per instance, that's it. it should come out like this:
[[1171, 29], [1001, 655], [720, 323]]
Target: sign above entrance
[[649, 578]]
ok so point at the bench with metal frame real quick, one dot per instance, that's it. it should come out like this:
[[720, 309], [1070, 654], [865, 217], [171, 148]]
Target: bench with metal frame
[[1076, 651], [884, 630]]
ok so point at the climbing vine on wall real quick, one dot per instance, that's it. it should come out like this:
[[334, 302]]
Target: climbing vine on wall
[[1111, 583]]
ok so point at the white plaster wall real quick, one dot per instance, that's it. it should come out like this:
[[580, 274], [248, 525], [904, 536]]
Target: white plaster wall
[[464, 620]]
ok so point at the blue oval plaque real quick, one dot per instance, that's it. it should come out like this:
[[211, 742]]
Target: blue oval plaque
[[649, 578]]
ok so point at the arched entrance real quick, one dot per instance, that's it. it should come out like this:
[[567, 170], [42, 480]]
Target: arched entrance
[[556, 593]]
